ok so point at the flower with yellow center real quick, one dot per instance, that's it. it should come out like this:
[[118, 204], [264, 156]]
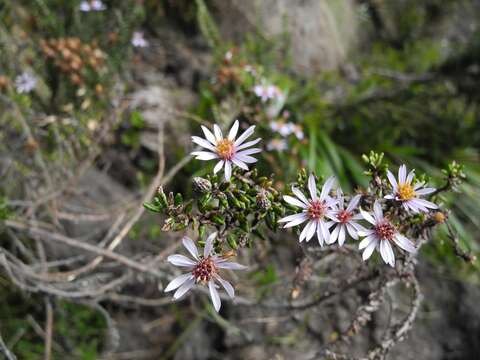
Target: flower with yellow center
[[227, 150], [408, 193]]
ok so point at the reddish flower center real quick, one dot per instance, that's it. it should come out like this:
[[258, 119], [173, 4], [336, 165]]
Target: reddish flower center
[[385, 230], [225, 149], [204, 270], [344, 216], [316, 209]]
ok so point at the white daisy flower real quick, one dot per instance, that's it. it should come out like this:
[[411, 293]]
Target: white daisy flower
[[228, 150], [409, 194], [382, 236], [345, 219], [277, 145], [138, 39], [315, 211], [203, 269], [93, 5], [25, 82]]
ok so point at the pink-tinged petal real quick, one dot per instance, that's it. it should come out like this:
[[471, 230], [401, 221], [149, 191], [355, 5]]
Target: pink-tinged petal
[[190, 246], [293, 217], [230, 265], [377, 211], [369, 250], [324, 230], [209, 244], [368, 217], [319, 235], [180, 260], [240, 164], [204, 155], [341, 235], [208, 134], [187, 285], [294, 201], [177, 282], [392, 180], [352, 231], [233, 131], [300, 195], [296, 222], [203, 143], [402, 174], [327, 187], [312, 187], [218, 132], [425, 203], [308, 231], [218, 167], [386, 252], [353, 203], [250, 151], [334, 235], [247, 144], [245, 158], [214, 295], [410, 176], [227, 286], [425, 191], [367, 241], [245, 135], [228, 170], [404, 243]]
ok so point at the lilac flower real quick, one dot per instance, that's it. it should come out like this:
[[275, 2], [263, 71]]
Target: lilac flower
[[409, 194], [138, 39], [267, 92], [93, 5], [345, 219], [281, 127], [314, 210], [25, 82], [203, 269], [227, 150], [277, 145], [382, 236]]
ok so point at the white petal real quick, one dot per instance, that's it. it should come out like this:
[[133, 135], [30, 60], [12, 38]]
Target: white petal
[[190, 246], [293, 217], [187, 285], [245, 158], [367, 241], [208, 134], [385, 252], [240, 164], [402, 174], [327, 187], [352, 231], [341, 235], [233, 131], [425, 191], [353, 203], [180, 260], [392, 180], [218, 167], [204, 155], [177, 282], [369, 250], [214, 295], [245, 135], [230, 265], [391, 254], [228, 170], [404, 243], [334, 235], [378, 212], [368, 217], [209, 244], [249, 151], [312, 187], [204, 143], [296, 222], [293, 201], [425, 203], [247, 144], [324, 230], [227, 286], [218, 132], [300, 195], [365, 232], [308, 231], [410, 176]]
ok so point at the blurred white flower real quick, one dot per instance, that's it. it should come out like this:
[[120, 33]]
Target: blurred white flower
[[227, 150], [409, 194], [277, 145], [382, 236], [202, 269], [281, 127], [25, 82], [297, 130], [314, 210], [345, 219], [267, 92], [92, 5], [138, 39]]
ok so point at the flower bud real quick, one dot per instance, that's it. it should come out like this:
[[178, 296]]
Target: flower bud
[[201, 185], [262, 200]]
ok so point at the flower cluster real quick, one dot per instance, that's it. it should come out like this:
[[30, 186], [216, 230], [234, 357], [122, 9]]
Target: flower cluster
[[267, 92], [92, 5], [25, 82], [138, 39]]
